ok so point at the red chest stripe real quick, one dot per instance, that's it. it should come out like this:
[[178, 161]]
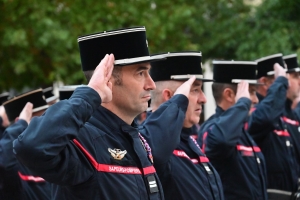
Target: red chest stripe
[[203, 140], [182, 154], [114, 168], [250, 149], [290, 121], [282, 133], [194, 136], [30, 178]]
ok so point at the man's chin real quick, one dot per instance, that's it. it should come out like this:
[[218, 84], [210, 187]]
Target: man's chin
[[195, 120], [144, 107]]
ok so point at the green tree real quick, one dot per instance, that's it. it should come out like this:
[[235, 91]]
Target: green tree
[[39, 38]]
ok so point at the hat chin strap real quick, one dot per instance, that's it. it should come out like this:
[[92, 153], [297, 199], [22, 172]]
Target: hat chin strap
[[40, 108], [294, 70], [273, 72], [186, 76], [246, 80], [138, 59]]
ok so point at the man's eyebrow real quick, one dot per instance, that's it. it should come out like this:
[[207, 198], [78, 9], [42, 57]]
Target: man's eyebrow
[[197, 84]]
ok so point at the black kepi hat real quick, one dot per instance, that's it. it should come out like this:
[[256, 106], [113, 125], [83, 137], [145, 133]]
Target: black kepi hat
[[234, 71], [14, 106], [177, 66], [3, 97], [265, 65], [48, 93], [66, 91], [292, 63], [129, 46]]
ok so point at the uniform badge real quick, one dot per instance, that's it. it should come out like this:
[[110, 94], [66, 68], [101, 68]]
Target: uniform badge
[[117, 154]]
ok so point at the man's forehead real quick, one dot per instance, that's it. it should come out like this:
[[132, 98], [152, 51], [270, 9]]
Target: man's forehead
[[294, 73], [252, 86]]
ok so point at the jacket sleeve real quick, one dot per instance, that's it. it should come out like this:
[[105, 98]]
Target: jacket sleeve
[[296, 111], [268, 111], [7, 158], [163, 127], [45, 147], [203, 129], [226, 130]]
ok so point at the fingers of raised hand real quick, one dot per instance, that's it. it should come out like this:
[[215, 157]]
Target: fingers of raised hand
[[26, 113], [191, 80], [110, 66]]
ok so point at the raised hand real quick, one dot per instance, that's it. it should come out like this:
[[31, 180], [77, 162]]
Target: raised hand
[[279, 71], [185, 87], [5, 121], [100, 79], [242, 91], [26, 113]]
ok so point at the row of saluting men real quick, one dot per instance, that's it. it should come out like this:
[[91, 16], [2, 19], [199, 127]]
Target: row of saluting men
[[89, 146]]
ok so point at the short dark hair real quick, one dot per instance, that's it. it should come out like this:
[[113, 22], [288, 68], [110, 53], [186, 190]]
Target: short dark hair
[[218, 89], [88, 74], [116, 73]]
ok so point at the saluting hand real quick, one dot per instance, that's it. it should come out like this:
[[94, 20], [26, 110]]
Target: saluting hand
[[279, 71], [100, 79], [26, 113], [3, 115], [242, 91], [185, 87]]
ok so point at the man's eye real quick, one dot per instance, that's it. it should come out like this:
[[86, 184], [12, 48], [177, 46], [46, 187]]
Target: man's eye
[[141, 73]]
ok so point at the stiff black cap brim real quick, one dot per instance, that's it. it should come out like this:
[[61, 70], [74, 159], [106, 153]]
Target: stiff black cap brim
[[138, 60]]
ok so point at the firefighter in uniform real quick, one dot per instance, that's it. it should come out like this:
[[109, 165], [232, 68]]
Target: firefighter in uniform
[[10, 185], [185, 172], [93, 151], [226, 142], [271, 127], [33, 187]]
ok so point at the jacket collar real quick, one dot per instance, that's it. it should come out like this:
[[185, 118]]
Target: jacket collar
[[109, 119], [259, 96], [219, 111], [186, 132]]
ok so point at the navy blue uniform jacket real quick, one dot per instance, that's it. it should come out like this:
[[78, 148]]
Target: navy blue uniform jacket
[[34, 188], [269, 129], [234, 154], [292, 123], [296, 127], [10, 185], [184, 170], [187, 172], [70, 145]]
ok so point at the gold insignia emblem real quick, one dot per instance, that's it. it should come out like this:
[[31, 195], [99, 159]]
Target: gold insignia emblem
[[117, 154]]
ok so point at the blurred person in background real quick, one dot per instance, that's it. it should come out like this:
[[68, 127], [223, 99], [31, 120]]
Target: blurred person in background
[[226, 142], [272, 126], [20, 112]]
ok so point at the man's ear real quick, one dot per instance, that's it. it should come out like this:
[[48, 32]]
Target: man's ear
[[263, 80], [229, 95], [167, 94]]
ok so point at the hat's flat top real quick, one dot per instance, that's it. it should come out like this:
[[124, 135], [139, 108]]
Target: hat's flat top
[[23, 95], [109, 33], [290, 56], [269, 57]]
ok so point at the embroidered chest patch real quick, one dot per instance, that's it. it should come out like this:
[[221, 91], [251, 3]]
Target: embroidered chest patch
[[117, 154]]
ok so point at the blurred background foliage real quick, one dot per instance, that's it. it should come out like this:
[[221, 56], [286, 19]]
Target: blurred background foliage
[[39, 38]]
